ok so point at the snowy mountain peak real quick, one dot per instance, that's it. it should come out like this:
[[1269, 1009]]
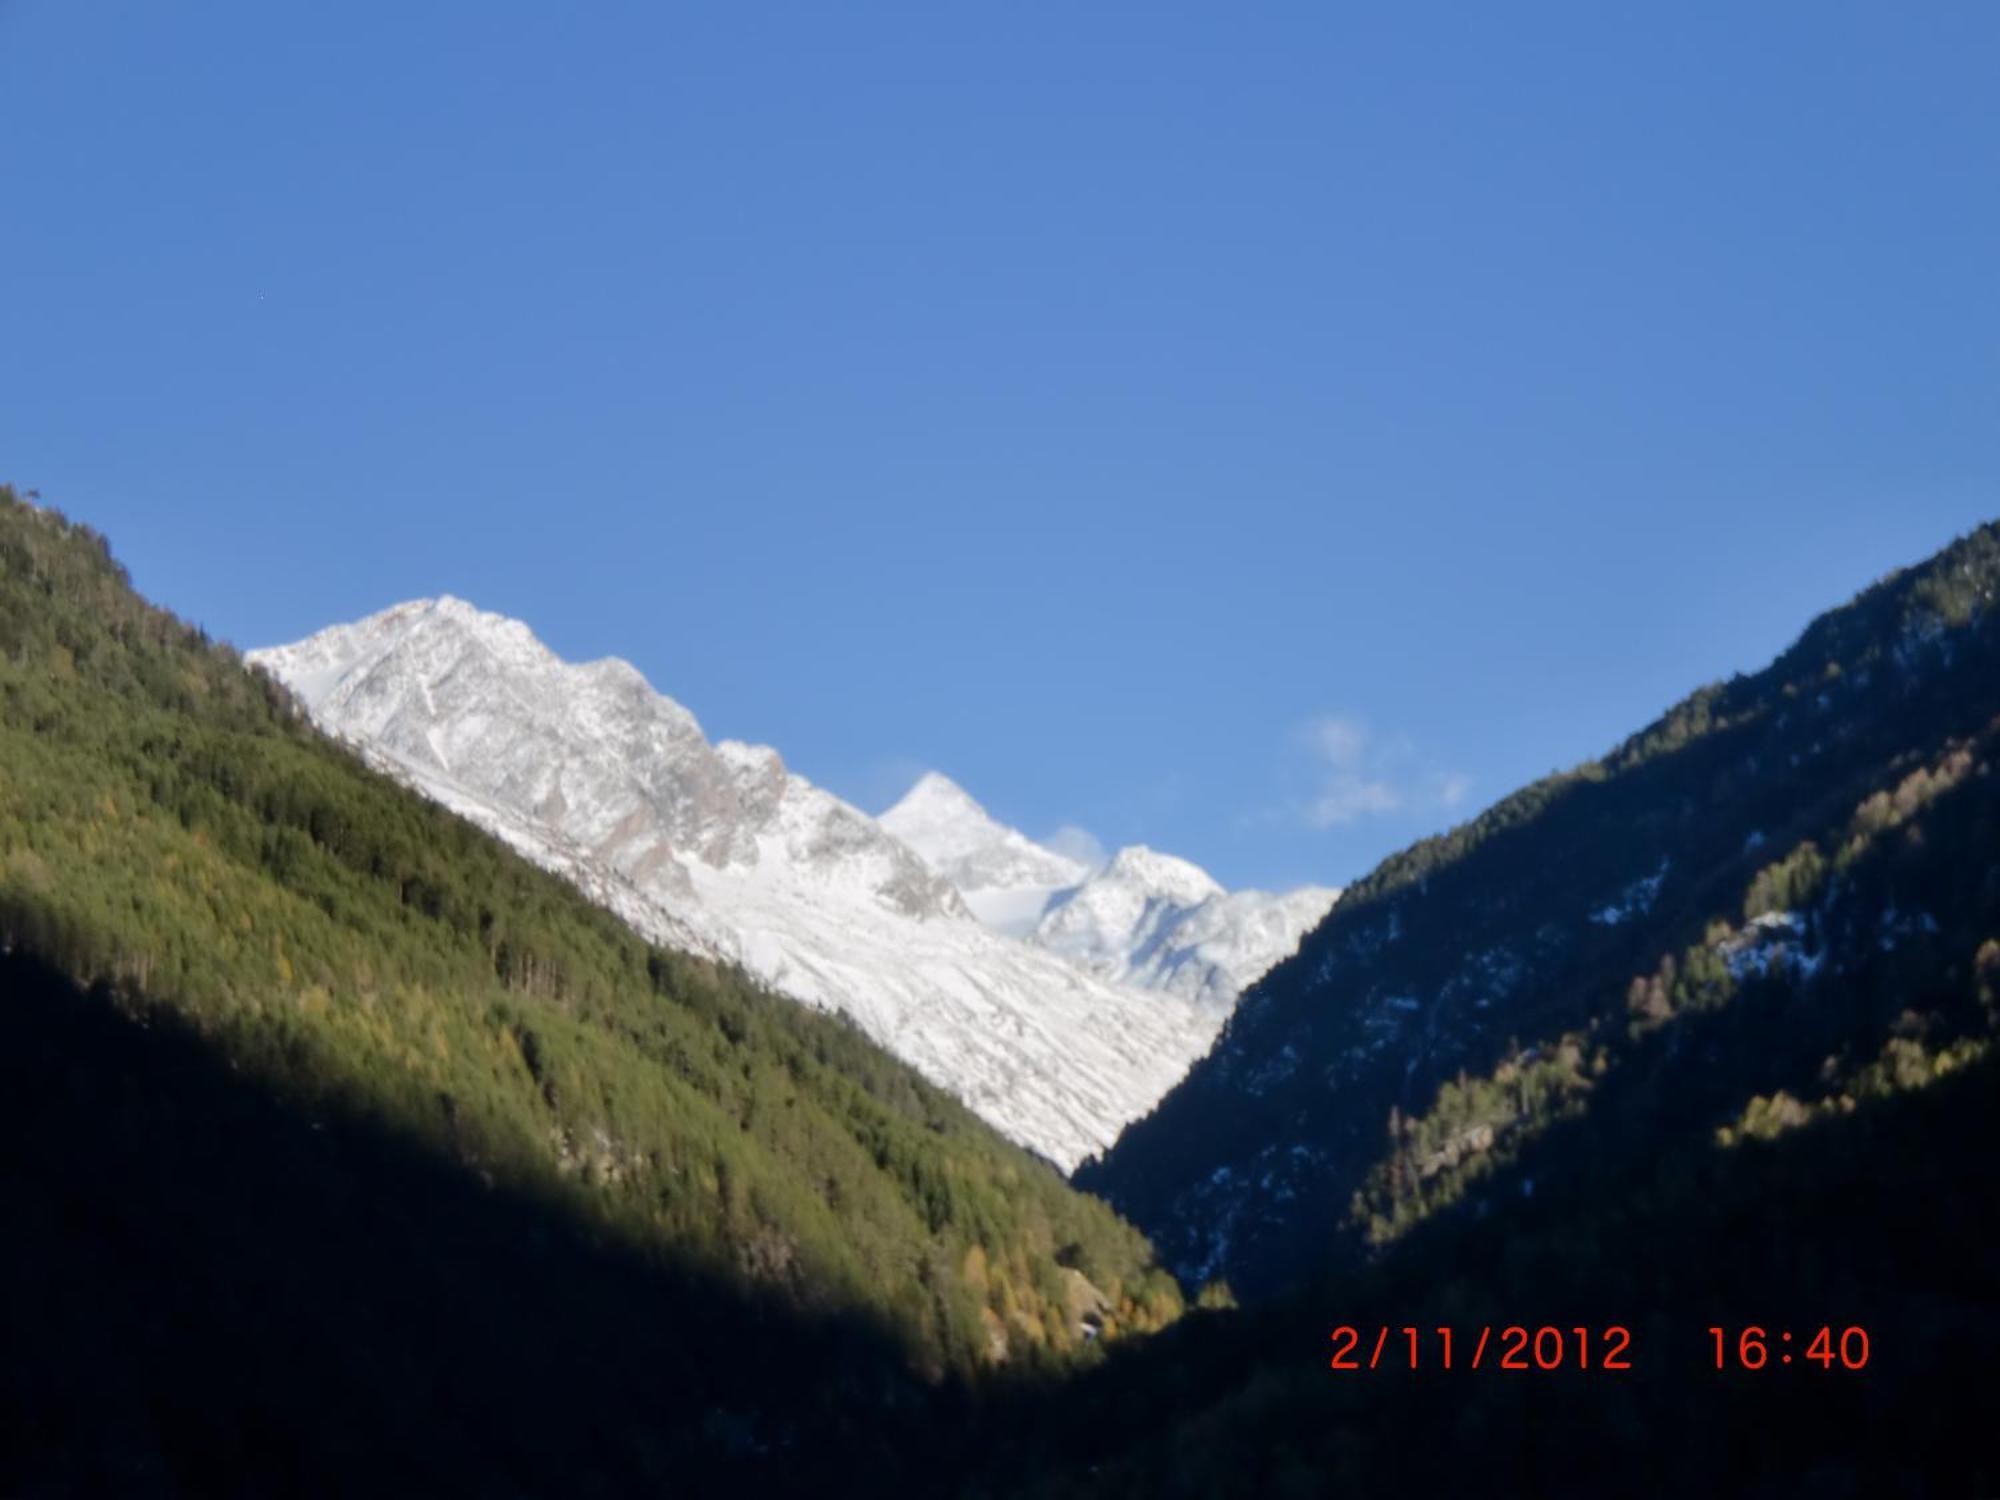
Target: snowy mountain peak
[[943, 822], [1005, 877], [1160, 875], [505, 637], [937, 798]]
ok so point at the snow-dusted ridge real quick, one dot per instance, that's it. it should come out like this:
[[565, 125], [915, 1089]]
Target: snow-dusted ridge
[[718, 848], [1145, 918]]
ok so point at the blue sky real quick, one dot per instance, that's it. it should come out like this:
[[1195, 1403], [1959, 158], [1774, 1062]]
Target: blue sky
[[1267, 432]]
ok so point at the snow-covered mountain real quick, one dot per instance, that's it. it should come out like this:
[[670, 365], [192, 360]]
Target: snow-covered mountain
[[1145, 919], [1159, 922], [588, 771], [1006, 878]]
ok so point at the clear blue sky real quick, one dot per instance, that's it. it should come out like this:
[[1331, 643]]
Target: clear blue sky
[[1267, 431]]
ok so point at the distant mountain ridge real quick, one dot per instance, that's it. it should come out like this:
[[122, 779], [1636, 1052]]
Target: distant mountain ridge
[[1144, 918], [718, 847], [1154, 920]]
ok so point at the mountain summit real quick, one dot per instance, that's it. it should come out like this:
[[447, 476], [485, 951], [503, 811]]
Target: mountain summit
[[1005, 877]]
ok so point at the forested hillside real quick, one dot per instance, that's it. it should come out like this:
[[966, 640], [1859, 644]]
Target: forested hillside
[[1781, 898], [338, 1135]]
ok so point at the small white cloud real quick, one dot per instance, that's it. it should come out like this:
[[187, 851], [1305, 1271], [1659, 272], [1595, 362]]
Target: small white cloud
[[1347, 798], [1355, 773], [1337, 740], [1079, 844]]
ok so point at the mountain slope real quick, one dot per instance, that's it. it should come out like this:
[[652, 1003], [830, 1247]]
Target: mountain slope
[[206, 902], [1772, 898], [1145, 919], [591, 773]]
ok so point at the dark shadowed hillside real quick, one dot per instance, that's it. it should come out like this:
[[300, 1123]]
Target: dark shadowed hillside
[[1877, 1216], [1779, 898]]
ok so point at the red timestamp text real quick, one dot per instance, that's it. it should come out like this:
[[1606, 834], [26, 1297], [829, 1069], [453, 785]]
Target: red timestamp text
[[1515, 1347], [1756, 1348]]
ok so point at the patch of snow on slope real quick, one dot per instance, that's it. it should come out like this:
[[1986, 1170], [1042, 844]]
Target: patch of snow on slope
[[1634, 901]]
